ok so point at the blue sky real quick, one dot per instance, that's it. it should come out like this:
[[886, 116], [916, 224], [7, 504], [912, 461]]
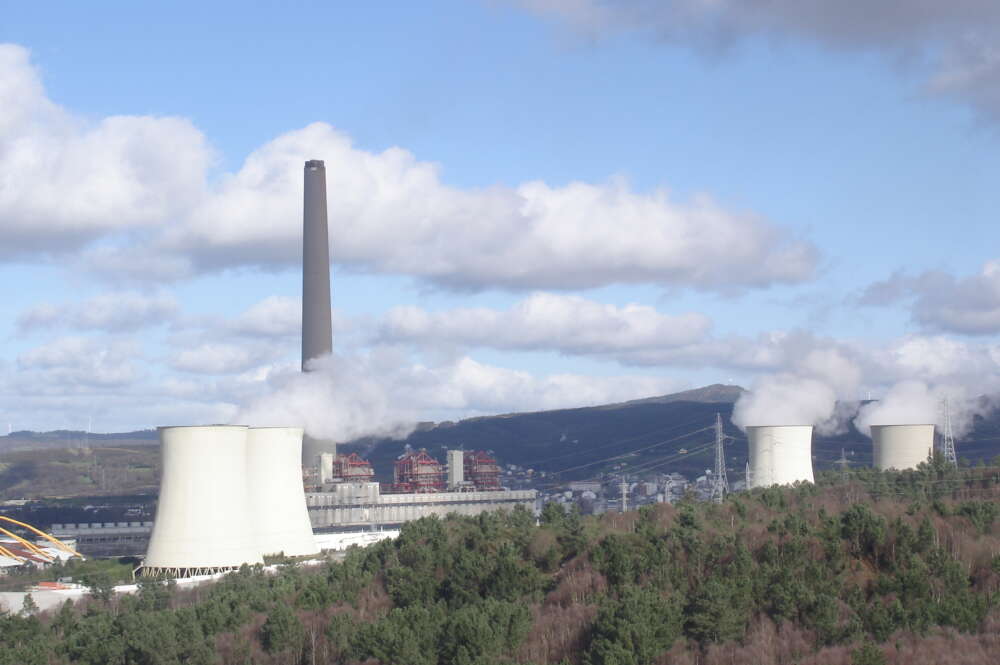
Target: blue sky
[[533, 204]]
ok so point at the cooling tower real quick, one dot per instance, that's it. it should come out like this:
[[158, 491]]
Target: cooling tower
[[901, 446], [277, 500], [203, 522], [317, 328], [780, 455]]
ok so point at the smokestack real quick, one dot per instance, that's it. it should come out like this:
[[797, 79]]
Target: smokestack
[[317, 329]]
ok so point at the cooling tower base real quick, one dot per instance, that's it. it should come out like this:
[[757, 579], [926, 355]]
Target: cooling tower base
[[174, 573]]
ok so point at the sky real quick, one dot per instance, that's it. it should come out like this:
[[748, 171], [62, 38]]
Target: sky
[[533, 204]]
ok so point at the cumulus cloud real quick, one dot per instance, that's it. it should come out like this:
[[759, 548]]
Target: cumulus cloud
[[67, 182], [941, 302], [134, 193], [955, 41], [274, 316], [111, 312], [392, 214], [382, 393], [546, 321], [222, 357], [73, 363]]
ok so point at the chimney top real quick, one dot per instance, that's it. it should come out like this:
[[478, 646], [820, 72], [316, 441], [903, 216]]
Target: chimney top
[[315, 164]]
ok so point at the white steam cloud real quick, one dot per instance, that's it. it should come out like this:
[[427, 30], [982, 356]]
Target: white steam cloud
[[384, 393], [785, 399], [808, 395], [917, 403], [339, 400]]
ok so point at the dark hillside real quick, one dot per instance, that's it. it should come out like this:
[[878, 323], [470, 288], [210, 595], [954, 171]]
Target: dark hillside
[[554, 441]]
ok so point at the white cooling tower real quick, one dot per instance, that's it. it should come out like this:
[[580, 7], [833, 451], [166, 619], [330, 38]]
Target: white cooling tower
[[901, 446], [780, 455], [203, 521], [277, 498]]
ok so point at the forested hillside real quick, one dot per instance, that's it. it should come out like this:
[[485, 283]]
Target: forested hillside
[[880, 568]]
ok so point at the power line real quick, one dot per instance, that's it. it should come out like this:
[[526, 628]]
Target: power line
[[632, 452], [577, 453]]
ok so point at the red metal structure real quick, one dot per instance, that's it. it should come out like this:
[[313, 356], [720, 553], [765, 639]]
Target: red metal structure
[[352, 469], [418, 472], [482, 470]]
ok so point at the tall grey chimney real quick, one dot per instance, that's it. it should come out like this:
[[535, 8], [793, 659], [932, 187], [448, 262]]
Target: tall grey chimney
[[317, 328], [317, 331]]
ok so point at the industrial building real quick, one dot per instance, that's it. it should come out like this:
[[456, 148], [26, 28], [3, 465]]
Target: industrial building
[[353, 505], [901, 447], [421, 486], [779, 455]]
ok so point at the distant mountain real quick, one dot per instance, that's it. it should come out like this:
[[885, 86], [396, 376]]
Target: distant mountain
[[663, 433]]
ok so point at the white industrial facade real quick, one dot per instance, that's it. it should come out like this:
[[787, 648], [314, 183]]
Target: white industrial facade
[[901, 446], [277, 500], [780, 455], [203, 521], [362, 504]]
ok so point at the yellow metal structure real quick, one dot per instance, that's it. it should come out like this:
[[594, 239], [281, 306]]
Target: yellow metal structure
[[27, 543], [6, 552], [55, 541]]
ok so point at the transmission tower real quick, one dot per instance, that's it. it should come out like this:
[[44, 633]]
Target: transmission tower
[[948, 438], [843, 463], [720, 486]]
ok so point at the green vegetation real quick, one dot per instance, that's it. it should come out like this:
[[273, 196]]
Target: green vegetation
[[109, 572], [886, 568], [68, 472]]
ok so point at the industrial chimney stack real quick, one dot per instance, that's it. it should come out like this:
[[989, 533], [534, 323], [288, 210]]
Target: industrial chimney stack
[[317, 332], [317, 329]]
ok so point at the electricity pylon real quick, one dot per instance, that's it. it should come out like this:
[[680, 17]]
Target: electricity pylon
[[720, 486]]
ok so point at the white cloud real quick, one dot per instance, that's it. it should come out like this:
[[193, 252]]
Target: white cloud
[[221, 358], [545, 321], [112, 312], [133, 191], [954, 40], [391, 213], [73, 363], [942, 302], [65, 182], [274, 316]]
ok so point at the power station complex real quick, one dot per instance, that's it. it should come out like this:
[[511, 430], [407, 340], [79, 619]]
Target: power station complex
[[231, 494]]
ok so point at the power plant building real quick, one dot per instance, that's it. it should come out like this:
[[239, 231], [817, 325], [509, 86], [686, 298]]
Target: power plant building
[[901, 446], [357, 505], [779, 455]]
